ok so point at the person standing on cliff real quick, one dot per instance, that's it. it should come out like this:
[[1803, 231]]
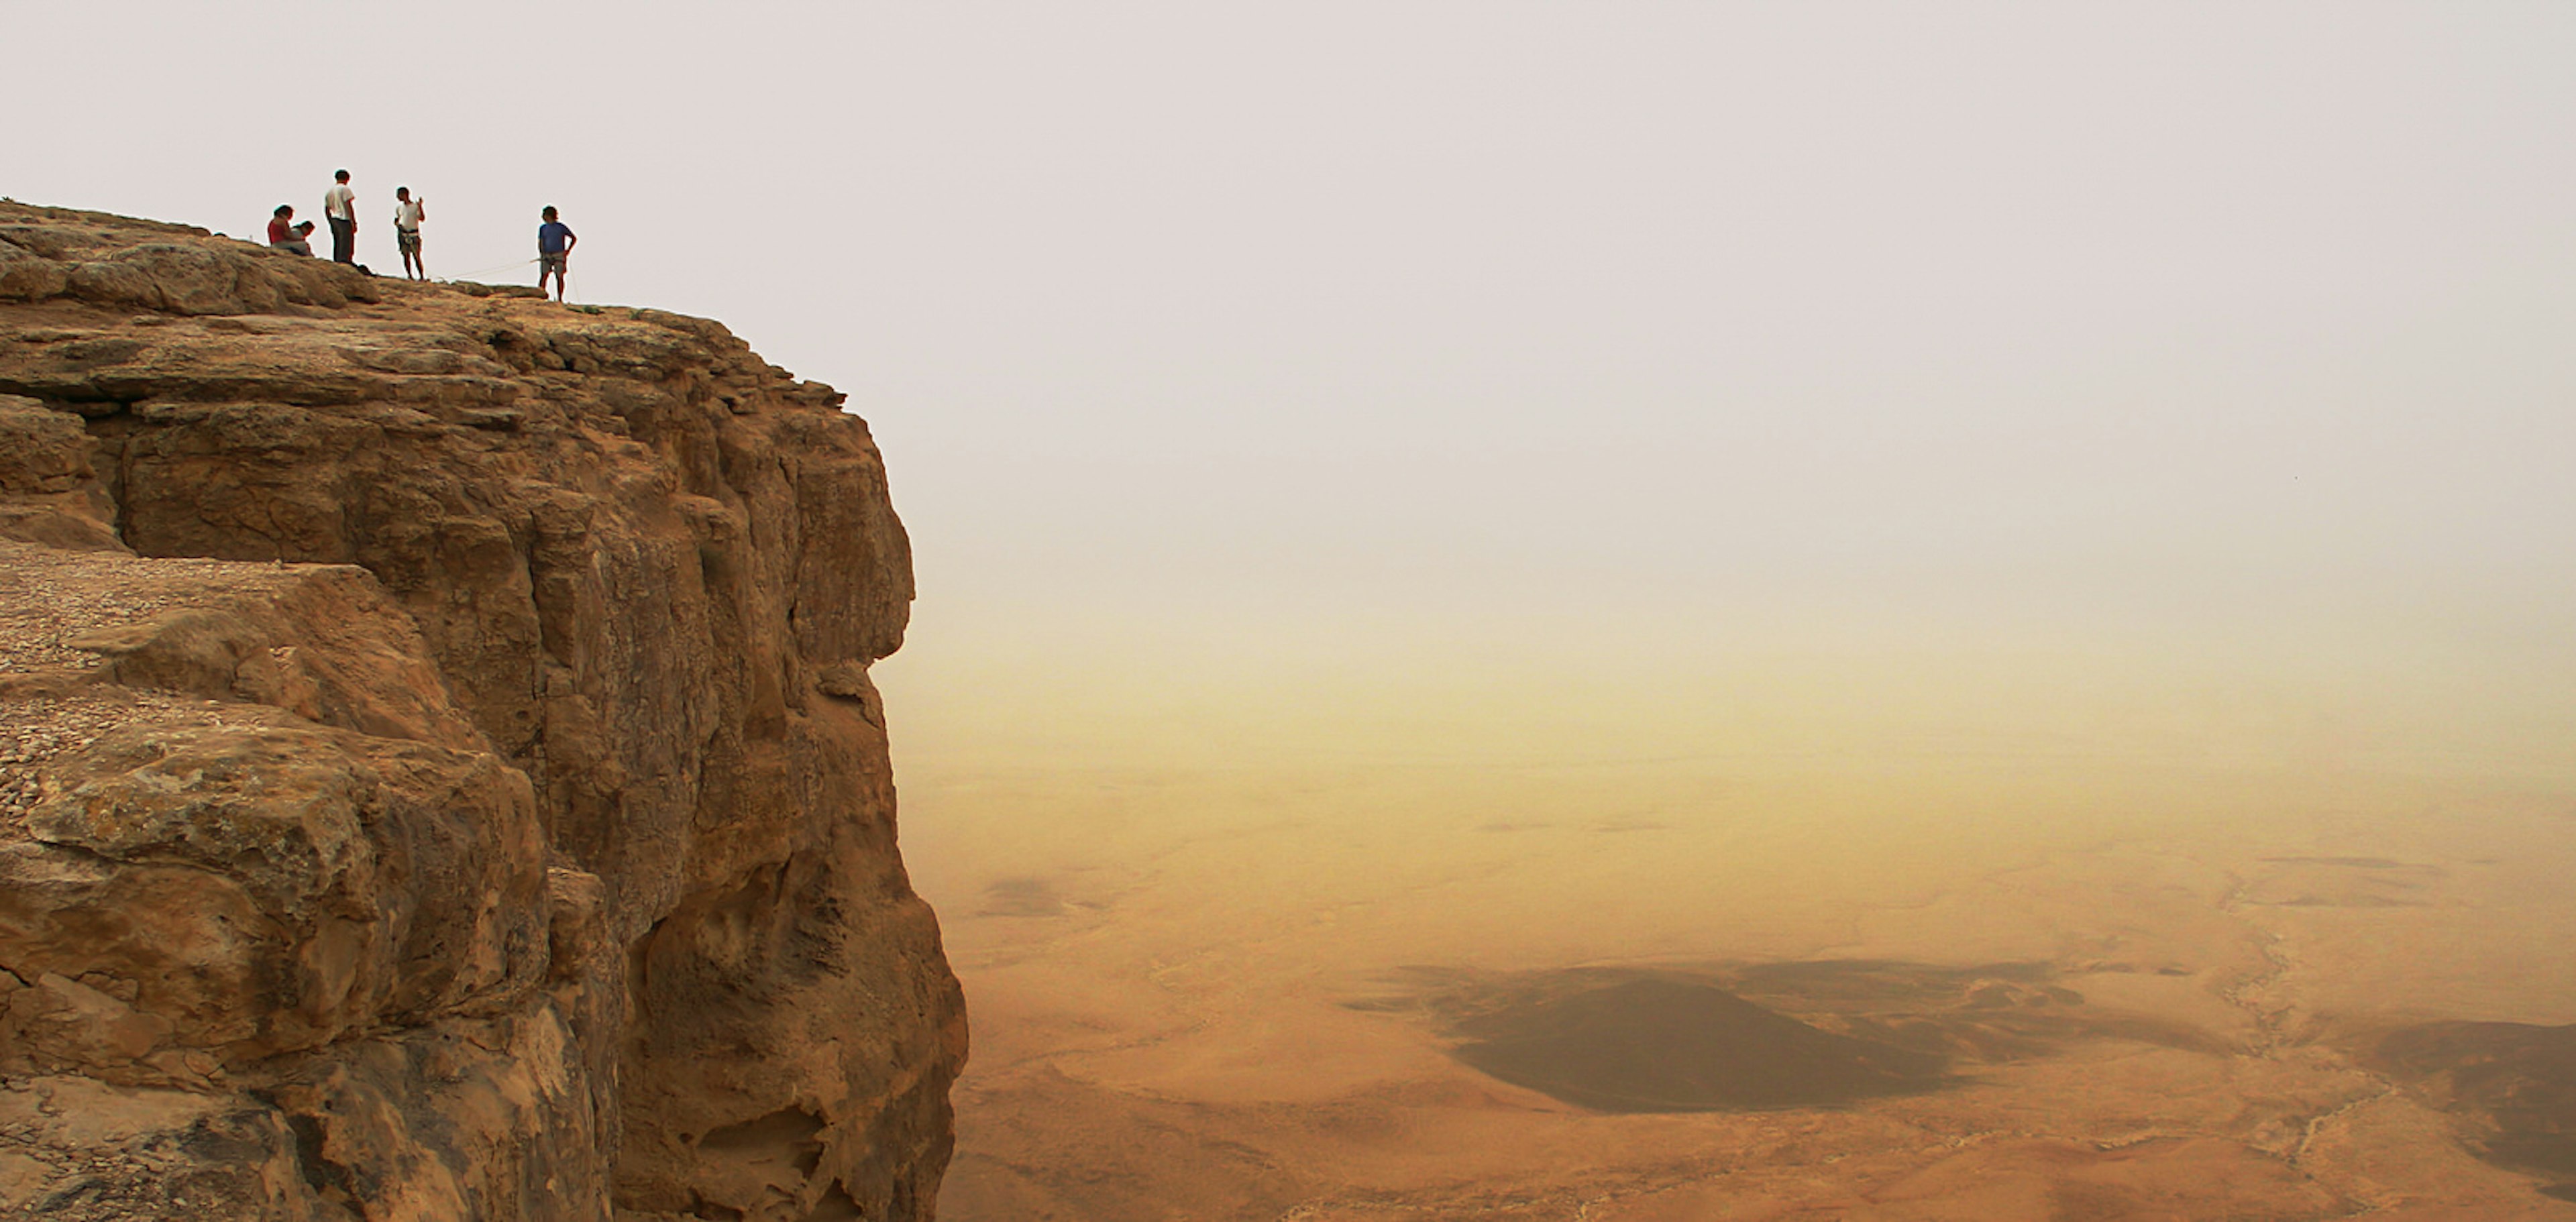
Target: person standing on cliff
[[408, 214], [555, 241], [340, 207]]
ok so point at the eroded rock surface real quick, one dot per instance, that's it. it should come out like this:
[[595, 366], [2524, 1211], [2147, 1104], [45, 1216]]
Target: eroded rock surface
[[439, 776]]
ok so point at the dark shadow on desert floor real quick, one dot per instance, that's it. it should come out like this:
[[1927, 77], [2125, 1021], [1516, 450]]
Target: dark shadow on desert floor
[[1653, 1043], [2518, 1078], [1022, 897], [1754, 1037]]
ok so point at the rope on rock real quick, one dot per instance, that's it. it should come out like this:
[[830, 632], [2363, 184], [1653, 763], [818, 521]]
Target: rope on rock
[[486, 271], [477, 273]]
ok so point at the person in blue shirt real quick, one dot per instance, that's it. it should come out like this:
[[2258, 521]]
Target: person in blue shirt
[[555, 241]]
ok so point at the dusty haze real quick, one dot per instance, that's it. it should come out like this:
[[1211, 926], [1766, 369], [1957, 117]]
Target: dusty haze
[[1411, 499]]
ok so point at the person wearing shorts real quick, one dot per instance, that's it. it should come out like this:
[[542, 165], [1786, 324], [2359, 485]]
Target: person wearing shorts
[[555, 241], [408, 214]]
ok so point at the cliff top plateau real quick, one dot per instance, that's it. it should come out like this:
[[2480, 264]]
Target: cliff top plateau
[[439, 772]]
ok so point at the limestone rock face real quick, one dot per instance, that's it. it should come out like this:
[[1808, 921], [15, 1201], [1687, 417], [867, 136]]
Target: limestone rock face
[[439, 774]]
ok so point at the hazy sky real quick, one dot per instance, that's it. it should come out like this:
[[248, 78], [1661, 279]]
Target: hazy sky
[[1518, 325]]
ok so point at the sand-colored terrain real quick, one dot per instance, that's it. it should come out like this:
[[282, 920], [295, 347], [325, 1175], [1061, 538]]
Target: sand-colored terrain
[[1985, 979]]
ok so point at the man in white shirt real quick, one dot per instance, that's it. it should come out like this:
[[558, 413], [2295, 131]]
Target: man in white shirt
[[408, 214], [340, 207]]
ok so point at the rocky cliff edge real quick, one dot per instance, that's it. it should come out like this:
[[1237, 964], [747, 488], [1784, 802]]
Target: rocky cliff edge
[[439, 773]]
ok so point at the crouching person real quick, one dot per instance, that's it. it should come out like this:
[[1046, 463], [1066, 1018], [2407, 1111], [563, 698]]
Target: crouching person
[[286, 233]]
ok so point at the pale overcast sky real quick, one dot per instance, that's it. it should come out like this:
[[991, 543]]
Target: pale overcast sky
[[2250, 311]]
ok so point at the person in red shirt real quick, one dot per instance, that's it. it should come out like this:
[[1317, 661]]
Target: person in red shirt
[[285, 234]]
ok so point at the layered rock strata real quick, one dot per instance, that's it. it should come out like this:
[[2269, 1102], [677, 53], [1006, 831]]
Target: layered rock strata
[[439, 772]]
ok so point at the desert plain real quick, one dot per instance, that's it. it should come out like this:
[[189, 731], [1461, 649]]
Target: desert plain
[[1823, 929]]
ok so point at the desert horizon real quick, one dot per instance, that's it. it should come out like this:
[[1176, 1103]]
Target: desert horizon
[[1424, 933]]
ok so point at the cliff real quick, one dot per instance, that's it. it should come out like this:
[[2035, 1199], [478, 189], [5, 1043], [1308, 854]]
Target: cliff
[[439, 773]]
